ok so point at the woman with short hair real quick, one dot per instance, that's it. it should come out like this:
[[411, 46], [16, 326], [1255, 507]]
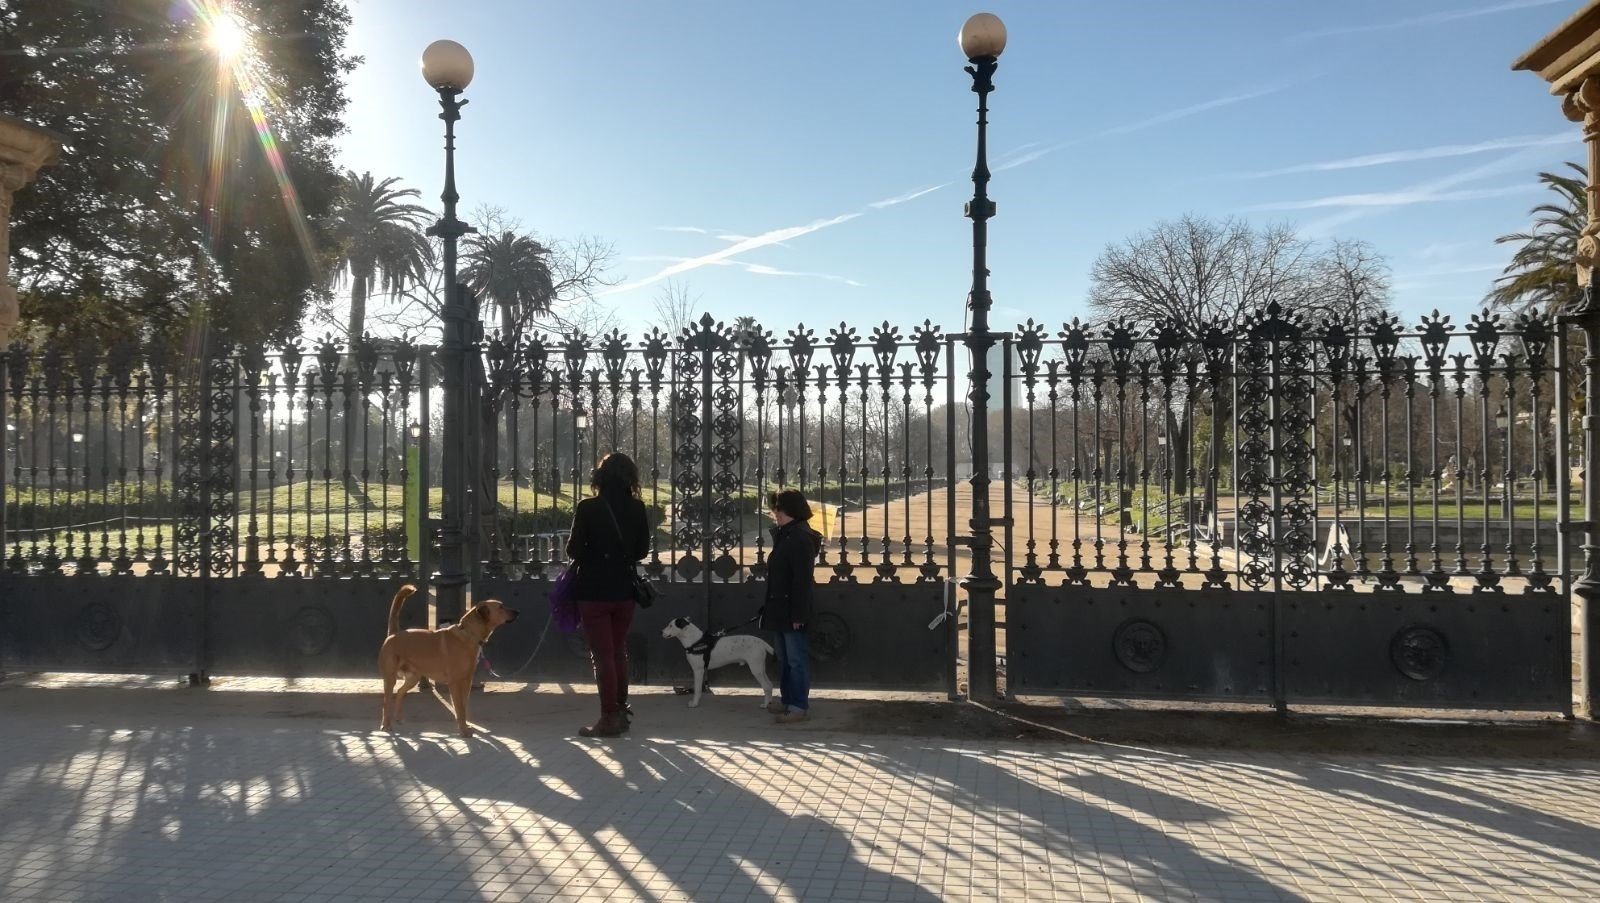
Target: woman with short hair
[[610, 536], [790, 588]]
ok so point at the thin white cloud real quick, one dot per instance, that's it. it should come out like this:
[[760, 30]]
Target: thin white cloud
[[1439, 18], [1514, 161], [1462, 270], [763, 270], [1395, 198], [1150, 122], [908, 196], [1033, 152], [1444, 250], [724, 257], [1422, 153], [695, 229]]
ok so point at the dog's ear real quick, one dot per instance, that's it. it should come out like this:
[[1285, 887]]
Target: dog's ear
[[680, 623]]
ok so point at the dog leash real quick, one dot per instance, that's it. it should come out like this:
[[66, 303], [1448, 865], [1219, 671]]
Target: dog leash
[[483, 657], [724, 631]]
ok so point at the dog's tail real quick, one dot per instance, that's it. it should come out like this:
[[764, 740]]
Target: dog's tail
[[400, 598]]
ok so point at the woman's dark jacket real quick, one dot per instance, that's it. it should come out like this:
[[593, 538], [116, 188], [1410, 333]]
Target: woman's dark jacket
[[790, 584], [604, 558]]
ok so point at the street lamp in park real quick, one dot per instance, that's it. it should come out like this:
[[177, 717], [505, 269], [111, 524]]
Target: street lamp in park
[[1502, 420], [982, 40], [447, 68]]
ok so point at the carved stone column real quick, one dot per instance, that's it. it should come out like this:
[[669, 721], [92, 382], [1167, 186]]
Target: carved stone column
[[24, 149], [1569, 59], [1582, 104]]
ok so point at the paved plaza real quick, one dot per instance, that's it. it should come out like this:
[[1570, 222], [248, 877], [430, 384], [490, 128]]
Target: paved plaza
[[125, 794]]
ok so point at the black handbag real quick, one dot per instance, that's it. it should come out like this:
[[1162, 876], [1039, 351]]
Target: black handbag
[[644, 592]]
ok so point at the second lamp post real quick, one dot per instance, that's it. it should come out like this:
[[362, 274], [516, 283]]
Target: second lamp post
[[983, 38], [447, 68]]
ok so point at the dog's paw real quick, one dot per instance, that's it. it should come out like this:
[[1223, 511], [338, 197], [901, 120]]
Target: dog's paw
[[694, 704]]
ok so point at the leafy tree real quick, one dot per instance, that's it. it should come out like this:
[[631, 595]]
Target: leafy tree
[[169, 206], [379, 242], [510, 272], [1540, 275]]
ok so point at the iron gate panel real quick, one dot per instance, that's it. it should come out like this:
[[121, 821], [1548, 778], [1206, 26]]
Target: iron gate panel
[[99, 624], [302, 628], [1483, 651], [1127, 641], [864, 636]]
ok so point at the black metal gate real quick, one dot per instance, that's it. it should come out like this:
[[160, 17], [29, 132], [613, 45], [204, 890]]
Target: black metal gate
[[252, 511], [1292, 514], [1273, 511]]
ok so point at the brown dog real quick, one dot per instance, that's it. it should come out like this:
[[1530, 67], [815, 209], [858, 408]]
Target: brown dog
[[446, 656]]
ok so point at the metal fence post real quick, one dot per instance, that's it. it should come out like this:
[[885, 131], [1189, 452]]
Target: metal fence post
[[1587, 588]]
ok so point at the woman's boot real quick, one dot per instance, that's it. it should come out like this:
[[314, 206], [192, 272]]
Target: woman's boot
[[610, 725]]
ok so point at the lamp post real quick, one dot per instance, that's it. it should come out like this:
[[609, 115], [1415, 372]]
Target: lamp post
[[416, 506], [1502, 420], [982, 39], [447, 68]]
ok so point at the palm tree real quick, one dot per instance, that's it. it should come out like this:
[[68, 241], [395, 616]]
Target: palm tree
[[1540, 276], [512, 272], [380, 242]]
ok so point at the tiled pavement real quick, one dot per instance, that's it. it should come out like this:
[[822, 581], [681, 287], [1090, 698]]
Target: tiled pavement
[[187, 795]]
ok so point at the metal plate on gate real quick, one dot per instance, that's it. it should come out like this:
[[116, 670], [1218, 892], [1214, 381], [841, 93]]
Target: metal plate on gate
[[1120, 641], [99, 624], [1479, 651]]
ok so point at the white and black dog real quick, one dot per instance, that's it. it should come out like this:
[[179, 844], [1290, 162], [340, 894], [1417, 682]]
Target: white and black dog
[[706, 653]]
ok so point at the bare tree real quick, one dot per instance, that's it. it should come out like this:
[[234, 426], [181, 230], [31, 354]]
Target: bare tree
[[1194, 272], [1352, 279], [677, 308]]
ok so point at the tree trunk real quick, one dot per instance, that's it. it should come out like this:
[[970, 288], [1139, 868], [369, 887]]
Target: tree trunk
[[350, 412]]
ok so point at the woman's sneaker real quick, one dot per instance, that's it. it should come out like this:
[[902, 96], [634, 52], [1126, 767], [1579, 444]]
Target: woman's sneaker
[[792, 717], [776, 707]]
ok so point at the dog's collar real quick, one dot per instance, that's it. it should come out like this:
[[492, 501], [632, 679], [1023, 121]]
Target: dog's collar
[[456, 631]]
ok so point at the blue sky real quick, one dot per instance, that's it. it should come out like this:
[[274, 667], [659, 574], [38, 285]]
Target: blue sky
[[681, 130]]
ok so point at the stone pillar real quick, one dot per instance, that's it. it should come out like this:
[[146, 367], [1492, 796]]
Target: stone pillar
[[1569, 59], [1582, 105], [24, 149]]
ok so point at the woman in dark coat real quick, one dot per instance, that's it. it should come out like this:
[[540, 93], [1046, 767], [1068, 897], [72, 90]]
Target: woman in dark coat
[[790, 587], [610, 536]]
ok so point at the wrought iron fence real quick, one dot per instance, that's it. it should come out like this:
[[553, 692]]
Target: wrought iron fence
[[1290, 456], [291, 462], [1279, 454]]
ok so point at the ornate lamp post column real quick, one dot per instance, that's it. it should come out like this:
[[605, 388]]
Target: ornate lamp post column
[[983, 38], [447, 67]]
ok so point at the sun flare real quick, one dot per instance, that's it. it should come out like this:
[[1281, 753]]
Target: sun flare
[[226, 37]]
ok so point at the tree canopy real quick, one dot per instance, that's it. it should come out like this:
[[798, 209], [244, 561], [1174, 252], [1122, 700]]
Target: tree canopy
[[192, 184], [1540, 276], [1195, 270]]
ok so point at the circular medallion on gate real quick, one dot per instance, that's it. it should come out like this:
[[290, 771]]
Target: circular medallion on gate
[[830, 637], [99, 625], [311, 630], [1419, 653], [1140, 646]]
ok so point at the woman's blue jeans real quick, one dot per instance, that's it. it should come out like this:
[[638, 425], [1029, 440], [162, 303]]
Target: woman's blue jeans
[[794, 663]]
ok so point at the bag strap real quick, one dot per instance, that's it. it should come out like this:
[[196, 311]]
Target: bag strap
[[615, 524], [617, 527]]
